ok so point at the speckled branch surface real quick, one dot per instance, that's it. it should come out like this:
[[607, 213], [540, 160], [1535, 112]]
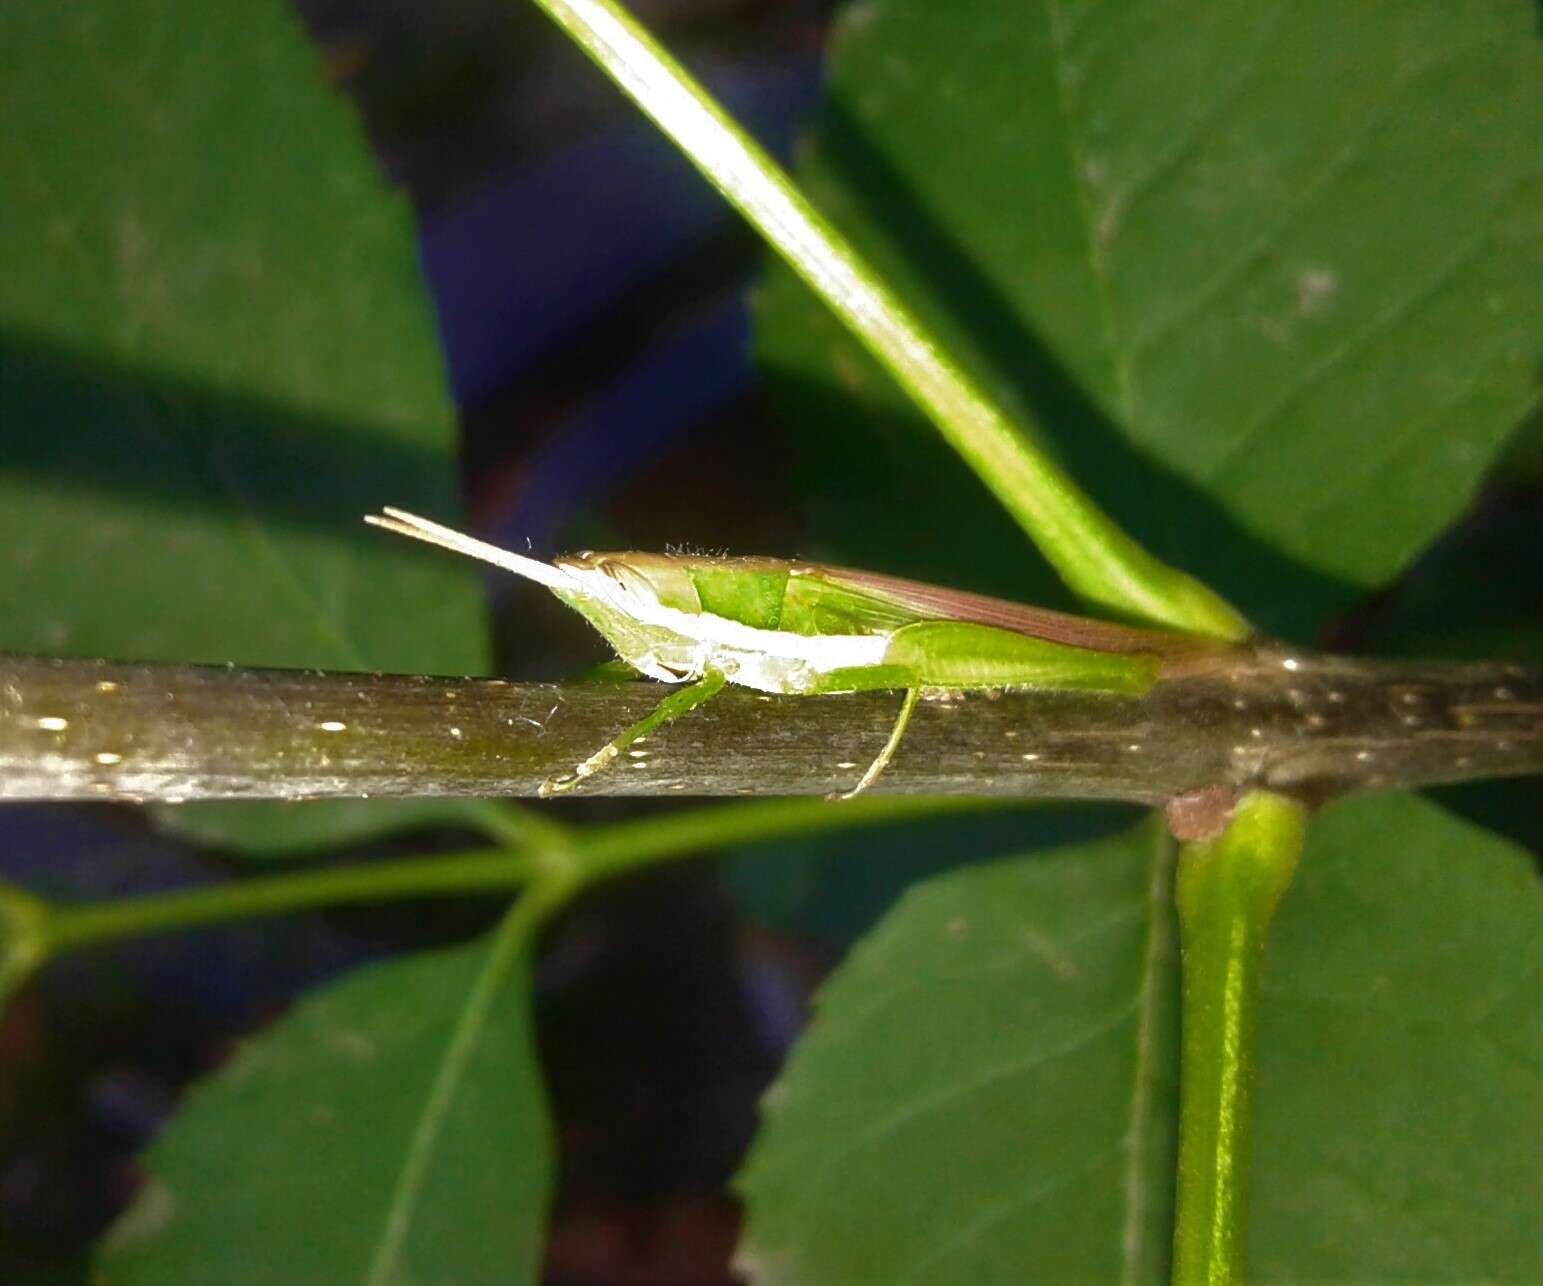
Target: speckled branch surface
[[1304, 724]]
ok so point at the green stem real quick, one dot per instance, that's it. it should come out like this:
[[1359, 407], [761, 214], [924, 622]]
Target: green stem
[[625, 845], [86, 924], [1090, 551], [515, 826], [580, 857], [1227, 891]]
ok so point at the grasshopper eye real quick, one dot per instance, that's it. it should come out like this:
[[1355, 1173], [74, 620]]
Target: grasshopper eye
[[628, 578], [627, 584]]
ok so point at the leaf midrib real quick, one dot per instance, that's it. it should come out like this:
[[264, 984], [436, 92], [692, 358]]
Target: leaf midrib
[[510, 941]]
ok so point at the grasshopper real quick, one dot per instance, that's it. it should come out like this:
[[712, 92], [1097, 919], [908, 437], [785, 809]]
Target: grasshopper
[[807, 629]]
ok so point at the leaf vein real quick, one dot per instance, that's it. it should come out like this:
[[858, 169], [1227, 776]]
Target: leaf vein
[[1349, 481], [1309, 194], [1015, 1203], [919, 980], [510, 942], [1120, 202], [888, 1125], [1091, 227], [1352, 344]]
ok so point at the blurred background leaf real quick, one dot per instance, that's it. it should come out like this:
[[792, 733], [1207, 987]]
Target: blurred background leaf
[[217, 355]]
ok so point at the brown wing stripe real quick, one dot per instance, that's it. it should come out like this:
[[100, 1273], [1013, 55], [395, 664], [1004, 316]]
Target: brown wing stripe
[[1036, 622]]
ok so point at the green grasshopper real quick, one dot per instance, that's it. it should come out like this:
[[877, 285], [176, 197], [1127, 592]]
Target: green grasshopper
[[807, 629]]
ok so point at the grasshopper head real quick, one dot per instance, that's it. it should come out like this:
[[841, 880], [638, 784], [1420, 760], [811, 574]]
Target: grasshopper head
[[633, 600], [637, 581]]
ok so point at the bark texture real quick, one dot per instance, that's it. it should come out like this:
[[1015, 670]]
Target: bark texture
[[1307, 725]]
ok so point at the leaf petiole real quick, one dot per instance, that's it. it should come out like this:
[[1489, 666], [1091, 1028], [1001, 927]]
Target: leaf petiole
[[1089, 550], [1227, 891], [32, 930]]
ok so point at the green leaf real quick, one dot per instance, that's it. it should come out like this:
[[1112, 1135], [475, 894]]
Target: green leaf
[[1400, 1062], [835, 886], [390, 1129], [1265, 273], [215, 355], [988, 1086], [988, 1083]]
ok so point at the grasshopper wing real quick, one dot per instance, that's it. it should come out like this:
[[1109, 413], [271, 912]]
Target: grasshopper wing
[[933, 602]]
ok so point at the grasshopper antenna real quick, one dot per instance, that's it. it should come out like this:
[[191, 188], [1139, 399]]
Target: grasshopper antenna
[[432, 533]]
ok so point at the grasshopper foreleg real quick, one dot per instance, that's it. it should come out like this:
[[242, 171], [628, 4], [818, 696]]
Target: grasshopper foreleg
[[679, 702]]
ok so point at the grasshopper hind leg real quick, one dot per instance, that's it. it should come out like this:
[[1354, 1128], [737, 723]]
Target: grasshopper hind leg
[[912, 693], [679, 702]]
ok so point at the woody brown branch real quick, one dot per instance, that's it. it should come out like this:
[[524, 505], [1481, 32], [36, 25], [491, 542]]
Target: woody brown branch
[[1308, 725]]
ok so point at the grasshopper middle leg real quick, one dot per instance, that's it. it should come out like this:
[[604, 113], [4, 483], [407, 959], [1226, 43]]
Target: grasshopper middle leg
[[873, 679], [881, 761]]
